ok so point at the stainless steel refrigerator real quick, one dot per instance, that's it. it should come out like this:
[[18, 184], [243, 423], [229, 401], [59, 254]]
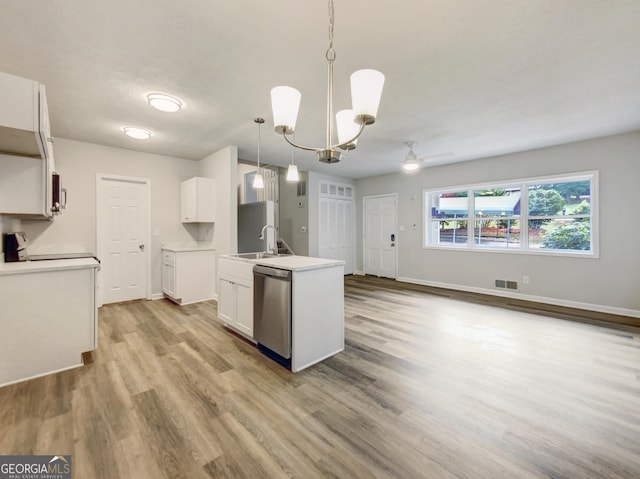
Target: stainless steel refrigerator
[[251, 219]]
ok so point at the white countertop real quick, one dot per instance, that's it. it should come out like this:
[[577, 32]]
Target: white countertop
[[22, 267], [188, 246], [291, 262]]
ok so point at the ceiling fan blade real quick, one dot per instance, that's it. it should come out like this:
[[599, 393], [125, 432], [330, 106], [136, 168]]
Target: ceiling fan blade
[[440, 156]]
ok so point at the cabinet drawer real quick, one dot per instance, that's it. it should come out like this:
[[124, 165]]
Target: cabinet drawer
[[168, 256]]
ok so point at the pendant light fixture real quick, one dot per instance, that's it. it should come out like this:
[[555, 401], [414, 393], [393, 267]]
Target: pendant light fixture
[[366, 90], [292, 171], [258, 181]]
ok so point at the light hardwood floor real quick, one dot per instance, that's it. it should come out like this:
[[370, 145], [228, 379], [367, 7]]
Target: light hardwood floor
[[428, 387]]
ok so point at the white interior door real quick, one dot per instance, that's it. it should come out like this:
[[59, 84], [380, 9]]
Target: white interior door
[[380, 236], [123, 237], [335, 231]]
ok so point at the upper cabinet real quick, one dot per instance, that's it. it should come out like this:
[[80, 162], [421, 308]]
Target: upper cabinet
[[198, 200], [26, 151], [24, 118]]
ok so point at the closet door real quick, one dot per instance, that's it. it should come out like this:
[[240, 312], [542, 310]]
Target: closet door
[[336, 231]]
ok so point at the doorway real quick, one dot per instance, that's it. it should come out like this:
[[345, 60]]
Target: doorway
[[123, 238], [379, 242]]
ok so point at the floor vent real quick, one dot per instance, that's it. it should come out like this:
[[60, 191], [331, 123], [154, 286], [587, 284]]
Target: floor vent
[[504, 284]]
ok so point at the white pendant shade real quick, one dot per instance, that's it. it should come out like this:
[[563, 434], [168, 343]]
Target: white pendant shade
[[366, 91], [258, 182], [285, 103], [347, 128], [292, 173]]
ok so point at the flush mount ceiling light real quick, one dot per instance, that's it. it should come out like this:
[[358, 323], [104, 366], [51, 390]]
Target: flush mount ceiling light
[[258, 181], [137, 133], [366, 90], [163, 102]]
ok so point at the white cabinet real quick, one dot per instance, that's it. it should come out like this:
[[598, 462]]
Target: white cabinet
[[26, 153], [49, 334], [169, 273], [24, 117], [197, 197], [235, 295], [188, 276]]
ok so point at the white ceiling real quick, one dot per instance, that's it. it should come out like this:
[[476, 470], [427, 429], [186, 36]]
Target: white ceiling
[[479, 78]]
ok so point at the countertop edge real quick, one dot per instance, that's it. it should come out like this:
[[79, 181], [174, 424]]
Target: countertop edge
[[7, 269], [277, 262]]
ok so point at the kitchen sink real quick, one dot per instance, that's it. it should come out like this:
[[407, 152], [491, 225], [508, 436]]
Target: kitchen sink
[[260, 255]]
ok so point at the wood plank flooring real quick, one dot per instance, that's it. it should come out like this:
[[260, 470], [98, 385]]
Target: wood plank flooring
[[427, 387]]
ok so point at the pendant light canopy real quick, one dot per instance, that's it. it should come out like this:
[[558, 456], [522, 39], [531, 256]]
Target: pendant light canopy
[[258, 181], [366, 90]]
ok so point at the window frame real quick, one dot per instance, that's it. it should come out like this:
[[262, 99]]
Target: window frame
[[523, 185]]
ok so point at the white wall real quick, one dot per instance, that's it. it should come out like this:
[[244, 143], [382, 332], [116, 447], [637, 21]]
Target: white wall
[[294, 217], [223, 166], [609, 283], [78, 163]]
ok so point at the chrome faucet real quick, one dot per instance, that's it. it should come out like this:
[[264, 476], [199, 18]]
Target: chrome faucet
[[275, 240]]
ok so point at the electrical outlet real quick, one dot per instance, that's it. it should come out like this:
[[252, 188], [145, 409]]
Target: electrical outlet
[[525, 280], [156, 232]]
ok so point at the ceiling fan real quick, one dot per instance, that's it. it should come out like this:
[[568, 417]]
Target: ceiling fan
[[412, 163]]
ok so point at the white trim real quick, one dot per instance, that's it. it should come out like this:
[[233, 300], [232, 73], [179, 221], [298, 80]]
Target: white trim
[[155, 296], [100, 177], [523, 248], [21, 380], [526, 297], [395, 227]]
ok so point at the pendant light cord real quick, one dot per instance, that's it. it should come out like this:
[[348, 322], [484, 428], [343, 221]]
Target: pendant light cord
[[331, 53], [259, 121]]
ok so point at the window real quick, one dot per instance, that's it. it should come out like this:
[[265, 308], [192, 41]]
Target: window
[[541, 215]]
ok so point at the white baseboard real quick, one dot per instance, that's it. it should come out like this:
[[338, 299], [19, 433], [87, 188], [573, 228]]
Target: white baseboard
[[526, 297], [155, 296]]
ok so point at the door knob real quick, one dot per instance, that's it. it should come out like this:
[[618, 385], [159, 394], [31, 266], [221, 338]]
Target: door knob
[[141, 246]]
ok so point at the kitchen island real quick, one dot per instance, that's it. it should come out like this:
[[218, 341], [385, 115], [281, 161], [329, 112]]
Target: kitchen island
[[317, 302], [48, 316]]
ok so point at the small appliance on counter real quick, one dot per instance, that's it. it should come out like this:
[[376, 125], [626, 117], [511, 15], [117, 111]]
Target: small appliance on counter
[[15, 247]]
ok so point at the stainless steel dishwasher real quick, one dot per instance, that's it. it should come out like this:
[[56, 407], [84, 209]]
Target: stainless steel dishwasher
[[272, 312]]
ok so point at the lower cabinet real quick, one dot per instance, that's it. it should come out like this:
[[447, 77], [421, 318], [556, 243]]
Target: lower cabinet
[[235, 295], [49, 318], [188, 276]]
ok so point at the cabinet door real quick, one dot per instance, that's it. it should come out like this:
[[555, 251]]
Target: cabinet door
[[188, 201], [244, 313], [205, 207], [227, 301], [169, 279]]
